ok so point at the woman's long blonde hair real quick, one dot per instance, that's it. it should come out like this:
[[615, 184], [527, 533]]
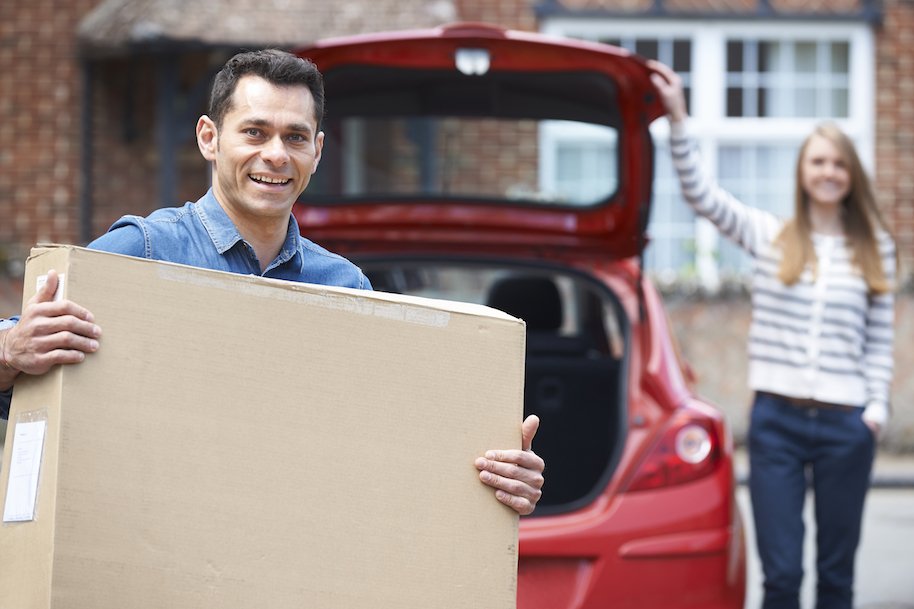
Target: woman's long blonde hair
[[859, 218]]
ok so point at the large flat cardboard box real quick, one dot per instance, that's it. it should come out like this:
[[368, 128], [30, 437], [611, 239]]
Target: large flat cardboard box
[[242, 443]]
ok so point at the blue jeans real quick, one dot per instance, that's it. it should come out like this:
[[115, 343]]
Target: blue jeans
[[835, 447]]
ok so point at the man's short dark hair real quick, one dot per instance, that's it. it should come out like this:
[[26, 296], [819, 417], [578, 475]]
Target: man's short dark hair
[[273, 65]]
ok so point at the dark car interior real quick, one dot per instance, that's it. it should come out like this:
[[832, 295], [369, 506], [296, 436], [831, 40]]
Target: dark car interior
[[570, 95], [575, 362]]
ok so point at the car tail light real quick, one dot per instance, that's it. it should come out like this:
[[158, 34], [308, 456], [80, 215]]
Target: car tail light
[[688, 449]]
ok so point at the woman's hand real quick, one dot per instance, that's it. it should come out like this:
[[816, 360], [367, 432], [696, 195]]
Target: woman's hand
[[669, 85]]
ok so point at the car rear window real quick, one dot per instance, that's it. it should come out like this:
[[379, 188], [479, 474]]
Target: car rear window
[[535, 138]]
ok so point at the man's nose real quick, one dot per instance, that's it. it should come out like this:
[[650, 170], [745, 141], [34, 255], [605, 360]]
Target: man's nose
[[274, 152]]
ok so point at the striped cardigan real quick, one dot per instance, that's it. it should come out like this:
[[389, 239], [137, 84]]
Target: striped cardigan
[[825, 337]]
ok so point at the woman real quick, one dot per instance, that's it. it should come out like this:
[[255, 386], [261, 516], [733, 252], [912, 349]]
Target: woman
[[820, 349]]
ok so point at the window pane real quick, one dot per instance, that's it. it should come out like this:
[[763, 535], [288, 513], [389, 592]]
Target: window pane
[[730, 161], [805, 102], [568, 164], [682, 56], [795, 79], [647, 48], [734, 56], [805, 57], [671, 252], [757, 175], [774, 162], [771, 57], [839, 103], [840, 58], [734, 101], [586, 172], [761, 97]]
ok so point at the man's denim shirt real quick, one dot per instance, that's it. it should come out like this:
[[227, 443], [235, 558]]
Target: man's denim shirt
[[201, 234]]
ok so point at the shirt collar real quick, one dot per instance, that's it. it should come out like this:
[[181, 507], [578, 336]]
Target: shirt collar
[[225, 235]]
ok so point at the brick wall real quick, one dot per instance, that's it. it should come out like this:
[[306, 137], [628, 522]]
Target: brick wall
[[895, 125], [475, 158], [502, 157], [41, 137], [512, 14], [39, 134]]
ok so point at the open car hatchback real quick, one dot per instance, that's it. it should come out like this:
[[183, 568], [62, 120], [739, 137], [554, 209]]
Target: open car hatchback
[[515, 170]]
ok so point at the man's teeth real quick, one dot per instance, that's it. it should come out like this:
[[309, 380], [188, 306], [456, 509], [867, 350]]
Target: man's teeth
[[269, 180]]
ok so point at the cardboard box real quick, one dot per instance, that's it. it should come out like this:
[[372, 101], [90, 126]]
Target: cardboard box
[[246, 443]]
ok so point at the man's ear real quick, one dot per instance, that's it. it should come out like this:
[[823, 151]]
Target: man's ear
[[207, 138], [318, 148]]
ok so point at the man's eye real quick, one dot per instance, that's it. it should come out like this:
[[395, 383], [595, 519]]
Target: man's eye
[[297, 138], [252, 132]]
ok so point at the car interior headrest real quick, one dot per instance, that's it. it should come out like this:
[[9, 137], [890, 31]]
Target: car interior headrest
[[533, 298]]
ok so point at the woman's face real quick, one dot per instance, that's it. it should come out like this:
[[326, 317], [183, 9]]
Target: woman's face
[[824, 173]]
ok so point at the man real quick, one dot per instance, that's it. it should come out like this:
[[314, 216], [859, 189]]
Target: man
[[262, 136]]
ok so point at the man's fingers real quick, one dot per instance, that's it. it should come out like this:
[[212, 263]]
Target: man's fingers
[[528, 431], [40, 341], [515, 486], [45, 351], [521, 505], [513, 492], [516, 475], [66, 340], [64, 356], [57, 325], [515, 465], [46, 292], [59, 308], [42, 334], [42, 303]]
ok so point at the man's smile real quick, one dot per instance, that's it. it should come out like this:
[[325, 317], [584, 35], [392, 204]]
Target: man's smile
[[263, 179]]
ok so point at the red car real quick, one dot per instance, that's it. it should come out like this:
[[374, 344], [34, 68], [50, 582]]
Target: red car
[[515, 169]]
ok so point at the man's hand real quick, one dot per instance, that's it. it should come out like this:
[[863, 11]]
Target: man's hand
[[48, 333], [516, 475]]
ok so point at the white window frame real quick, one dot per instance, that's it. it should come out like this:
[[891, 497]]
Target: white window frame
[[708, 123], [553, 134]]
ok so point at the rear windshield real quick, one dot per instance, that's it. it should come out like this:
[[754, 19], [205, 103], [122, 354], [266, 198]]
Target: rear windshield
[[396, 134]]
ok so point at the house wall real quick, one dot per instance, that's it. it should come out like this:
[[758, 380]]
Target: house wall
[[894, 178], [39, 134]]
